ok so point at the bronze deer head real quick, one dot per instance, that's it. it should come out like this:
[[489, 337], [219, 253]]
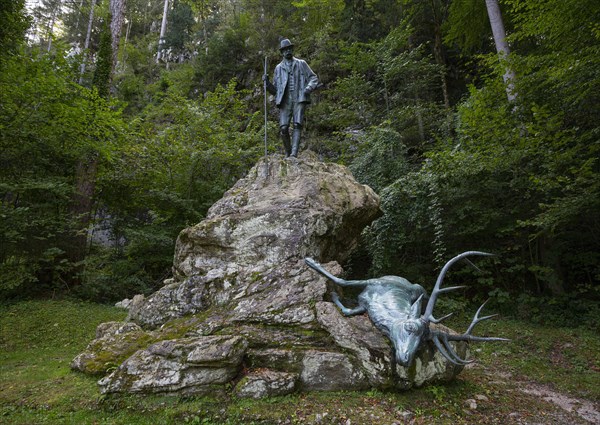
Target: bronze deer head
[[394, 306]]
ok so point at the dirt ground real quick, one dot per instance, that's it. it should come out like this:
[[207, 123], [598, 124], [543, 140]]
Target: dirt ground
[[535, 403]]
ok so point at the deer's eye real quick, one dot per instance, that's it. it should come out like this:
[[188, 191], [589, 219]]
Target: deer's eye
[[410, 327]]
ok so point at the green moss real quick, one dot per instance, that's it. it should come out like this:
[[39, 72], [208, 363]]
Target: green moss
[[285, 337], [242, 382], [283, 169], [181, 327], [104, 356], [255, 277]]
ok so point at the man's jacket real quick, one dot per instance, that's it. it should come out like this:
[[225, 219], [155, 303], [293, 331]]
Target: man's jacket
[[306, 80]]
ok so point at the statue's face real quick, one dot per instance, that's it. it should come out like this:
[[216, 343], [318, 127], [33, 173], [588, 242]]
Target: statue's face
[[288, 52], [406, 336]]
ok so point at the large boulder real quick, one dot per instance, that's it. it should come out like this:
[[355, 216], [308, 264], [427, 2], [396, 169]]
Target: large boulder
[[281, 212], [242, 307]]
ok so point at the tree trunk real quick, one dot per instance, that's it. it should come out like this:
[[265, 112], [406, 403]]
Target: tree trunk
[[418, 112], [163, 30], [441, 60], [124, 57], [78, 15], [502, 48], [51, 24], [116, 10], [86, 45], [83, 201], [550, 268]]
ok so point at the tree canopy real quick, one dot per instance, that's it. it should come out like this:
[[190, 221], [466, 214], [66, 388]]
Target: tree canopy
[[413, 101]]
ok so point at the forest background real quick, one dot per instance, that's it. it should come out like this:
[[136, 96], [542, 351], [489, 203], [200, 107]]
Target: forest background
[[114, 138]]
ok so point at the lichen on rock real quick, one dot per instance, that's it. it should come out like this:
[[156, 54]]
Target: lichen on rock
[[266, 383]]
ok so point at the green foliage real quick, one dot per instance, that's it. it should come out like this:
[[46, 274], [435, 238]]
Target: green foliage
[[563, 26], [466, 25], [316, 20], [402, 229], [370, 20], [425, 123], [226, 56], [47, 123], [518, 180], [194, 149], [488, 194], [182, 155], [578, 308], [34, 218], [102, 74], [181, 24], [385, 84], [349, 104], [381, 158], [12, 30], [138, 267]]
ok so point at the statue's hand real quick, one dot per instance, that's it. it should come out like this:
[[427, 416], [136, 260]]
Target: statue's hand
[[265, 77]]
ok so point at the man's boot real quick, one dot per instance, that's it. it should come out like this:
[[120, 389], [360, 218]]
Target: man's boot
[[285, 138], [296, 141]]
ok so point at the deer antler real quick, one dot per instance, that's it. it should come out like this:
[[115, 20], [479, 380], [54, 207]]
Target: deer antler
[[442, 339], [428, 315]]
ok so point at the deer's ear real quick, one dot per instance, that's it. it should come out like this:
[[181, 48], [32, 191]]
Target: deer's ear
[[415, 308]]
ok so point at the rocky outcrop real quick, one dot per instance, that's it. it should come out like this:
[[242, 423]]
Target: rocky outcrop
[[184, 366], [242, 309], [281, 212], [114, 343]]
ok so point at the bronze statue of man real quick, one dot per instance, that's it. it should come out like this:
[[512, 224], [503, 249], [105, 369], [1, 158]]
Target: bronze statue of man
[[294, 81]]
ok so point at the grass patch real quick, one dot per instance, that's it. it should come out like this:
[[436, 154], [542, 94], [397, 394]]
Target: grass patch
[[565, 358], [38, 340]]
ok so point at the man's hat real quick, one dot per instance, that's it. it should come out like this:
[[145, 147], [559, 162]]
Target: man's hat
[[285, 43]]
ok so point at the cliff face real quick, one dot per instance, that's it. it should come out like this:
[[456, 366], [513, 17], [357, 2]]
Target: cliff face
[[241, 297]]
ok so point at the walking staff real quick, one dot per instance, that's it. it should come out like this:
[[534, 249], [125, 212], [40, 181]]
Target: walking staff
[[265, 92]]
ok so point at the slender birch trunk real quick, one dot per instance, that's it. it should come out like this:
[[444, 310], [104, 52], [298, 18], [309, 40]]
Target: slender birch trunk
[[86, 45], [51, 25], [502, 48], [163, 30], [124, 57]]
